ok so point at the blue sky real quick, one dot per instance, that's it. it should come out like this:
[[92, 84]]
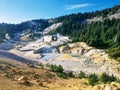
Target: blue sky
[[16, 11]]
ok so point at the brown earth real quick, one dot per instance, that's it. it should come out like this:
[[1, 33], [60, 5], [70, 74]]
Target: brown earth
[[18, 76]]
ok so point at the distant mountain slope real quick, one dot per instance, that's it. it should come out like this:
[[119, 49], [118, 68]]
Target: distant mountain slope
[[89, 15], [41, 24], [100, 29], [25, 27]]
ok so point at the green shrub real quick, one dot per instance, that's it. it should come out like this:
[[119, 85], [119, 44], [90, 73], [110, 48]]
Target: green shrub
[[93, 79], [70, 74], [104, 78], [114, 52], [118, 80], [81, 75], [59, 71], [63, 75], [55, 68]]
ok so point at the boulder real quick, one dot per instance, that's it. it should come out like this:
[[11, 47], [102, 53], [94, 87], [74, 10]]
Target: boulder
[[47, 49]]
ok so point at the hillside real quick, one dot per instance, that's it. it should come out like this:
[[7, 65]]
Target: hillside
[[16, 76], [73, 52], [70, 23]]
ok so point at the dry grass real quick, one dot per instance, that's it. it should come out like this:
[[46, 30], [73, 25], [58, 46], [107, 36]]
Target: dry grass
[[18, 76]]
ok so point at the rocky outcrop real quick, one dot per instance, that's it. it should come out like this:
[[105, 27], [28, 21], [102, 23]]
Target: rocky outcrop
[[47, 49], [94, 60]]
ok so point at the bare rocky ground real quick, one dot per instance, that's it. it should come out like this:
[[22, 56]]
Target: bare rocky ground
[[18, 76], [75, 57]]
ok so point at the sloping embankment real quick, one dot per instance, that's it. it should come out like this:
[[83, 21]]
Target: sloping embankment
[[8, 55]]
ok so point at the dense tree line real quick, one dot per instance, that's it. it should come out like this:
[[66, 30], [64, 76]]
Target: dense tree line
[[88, 15], [6, 28], [100, 34]]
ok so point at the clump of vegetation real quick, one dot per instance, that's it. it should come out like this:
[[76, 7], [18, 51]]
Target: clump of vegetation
[[93, 79], [81, 75], [60, 71], [63, 75], [104, 78], [56, 68], [118, 80], [114, 52], [70, 74]]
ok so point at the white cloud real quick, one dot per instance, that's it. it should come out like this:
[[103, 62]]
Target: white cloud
[[71, 7]]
